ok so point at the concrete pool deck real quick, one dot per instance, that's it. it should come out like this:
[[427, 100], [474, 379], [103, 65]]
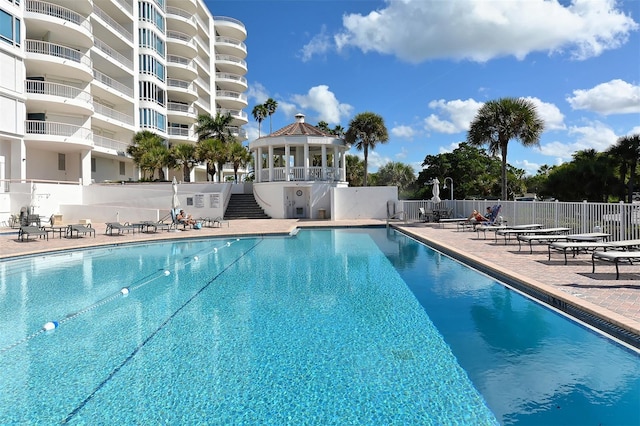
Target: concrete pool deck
[[598, 294]]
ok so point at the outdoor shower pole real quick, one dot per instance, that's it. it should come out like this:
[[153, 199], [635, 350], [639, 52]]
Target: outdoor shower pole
[[445, 186]]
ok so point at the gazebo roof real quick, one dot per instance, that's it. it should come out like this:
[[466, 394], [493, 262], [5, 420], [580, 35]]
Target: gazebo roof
[[300, 128]]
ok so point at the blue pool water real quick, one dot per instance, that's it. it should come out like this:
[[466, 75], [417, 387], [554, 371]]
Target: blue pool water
[[328, 327]]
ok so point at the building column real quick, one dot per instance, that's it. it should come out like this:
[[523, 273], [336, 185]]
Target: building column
[[18, 167], [85, 166], [306, 161], [270, 163], [257, 165], [343, 166], [323, 155], [334, 163], [287, 169]]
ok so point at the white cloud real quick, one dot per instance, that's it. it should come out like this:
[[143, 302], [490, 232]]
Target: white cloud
[[529, 168], [613, 97], [257, 92], [453, 116], [288, 109], [374, 161], [594, 136], [405, 132], [634, 131], [450, 148], [419, 30], [320, 44], [325, 103], [553, 118]]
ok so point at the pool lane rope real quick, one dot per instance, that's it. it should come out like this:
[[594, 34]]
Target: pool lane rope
[[50, 326]]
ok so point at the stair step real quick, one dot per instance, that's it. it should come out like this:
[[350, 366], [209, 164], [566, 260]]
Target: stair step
[[244, 206]]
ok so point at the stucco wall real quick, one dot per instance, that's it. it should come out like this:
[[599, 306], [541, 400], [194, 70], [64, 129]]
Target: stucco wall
[[362, 202]]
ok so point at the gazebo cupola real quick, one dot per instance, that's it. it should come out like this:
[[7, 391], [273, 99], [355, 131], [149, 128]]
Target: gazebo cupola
[[299, 152]]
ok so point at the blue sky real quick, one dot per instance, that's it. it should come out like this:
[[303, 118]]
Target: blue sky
[[426, 66]]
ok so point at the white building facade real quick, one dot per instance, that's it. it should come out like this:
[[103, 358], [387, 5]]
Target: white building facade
[[78, 78]]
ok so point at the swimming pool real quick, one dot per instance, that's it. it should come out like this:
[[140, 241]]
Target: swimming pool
[[327, 327]]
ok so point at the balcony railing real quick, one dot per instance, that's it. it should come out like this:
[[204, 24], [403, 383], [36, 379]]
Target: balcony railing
[[234, 59], [178, 107], [181, 60], [181, 132], [59, 51], [229, 76], [112, 113], [108, 143], [329, 174], [177, 35], [112, 23], [238, 113], [229, 94], [126, 5], [182, 13], [172, 82], [112, 53], [56, 11], [106, 80], [227, 19], [58, 129], [228, 40], [57, 89]]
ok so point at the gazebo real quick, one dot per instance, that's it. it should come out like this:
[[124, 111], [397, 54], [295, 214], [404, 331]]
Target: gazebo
[[295, 167]]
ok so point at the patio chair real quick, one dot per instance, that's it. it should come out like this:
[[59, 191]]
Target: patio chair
[[616, 257], [425, 215], [80, 229], [31, 230], [219, 221], [117, 226]]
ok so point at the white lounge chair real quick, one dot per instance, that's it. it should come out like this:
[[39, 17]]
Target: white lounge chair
[[616, 257]]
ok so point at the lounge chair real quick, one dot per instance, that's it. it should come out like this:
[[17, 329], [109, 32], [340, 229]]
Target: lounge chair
[[576, 247], [424, 215], [31, 230], [219, 221], [81, 229], [174, 219], [616, 257], [507, 233], [148, 224], [116, 226]]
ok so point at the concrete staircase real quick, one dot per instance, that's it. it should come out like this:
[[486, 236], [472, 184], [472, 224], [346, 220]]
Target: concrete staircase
[[244, 206]]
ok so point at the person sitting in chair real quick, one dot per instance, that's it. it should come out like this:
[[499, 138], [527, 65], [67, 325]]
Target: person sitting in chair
[[477, 217], [184, 218]]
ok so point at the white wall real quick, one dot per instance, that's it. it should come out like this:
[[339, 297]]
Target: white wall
[[362, 202], [271, 196]]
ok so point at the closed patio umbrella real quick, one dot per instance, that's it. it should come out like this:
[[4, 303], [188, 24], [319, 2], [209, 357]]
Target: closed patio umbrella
[[175, 202], [436, 191]]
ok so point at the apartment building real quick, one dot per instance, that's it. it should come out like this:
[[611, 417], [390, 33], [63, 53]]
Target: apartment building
[[78, 78]]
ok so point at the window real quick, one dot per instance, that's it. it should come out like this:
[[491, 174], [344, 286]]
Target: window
[[122, 169], [150, 118], [151, 92], [151, 40], [9, 28], [150, 65], [62, 162], [149, 13]]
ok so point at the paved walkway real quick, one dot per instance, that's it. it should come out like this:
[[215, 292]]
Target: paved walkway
[[617, 301]]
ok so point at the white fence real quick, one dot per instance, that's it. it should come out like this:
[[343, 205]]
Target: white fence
[[620, 220]]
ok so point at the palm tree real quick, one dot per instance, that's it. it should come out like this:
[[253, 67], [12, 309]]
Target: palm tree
[[324, 126], [157, 158], [338, 131], [239, 156], [396, 174], [365, 131], [220, 155], [259, 113], [184, 155], [271, 105], [627, 151], [205, 152], [499, 121], [354, 170], [143, 142], [214, 127]]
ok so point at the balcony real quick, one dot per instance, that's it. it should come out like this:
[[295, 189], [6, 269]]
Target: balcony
[[115, 56], [229, 27], [230, 46], [111, 119], [110, 145], [182, 90], [181, 20], [68, 26], [180, 134], [231, 64], [123, 89], [44, 58], [114, 26], [231, 100], [181, 113], [64, 99], [234, 82], [47, 134], [181, 68], [182, 44], [239, 117]]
